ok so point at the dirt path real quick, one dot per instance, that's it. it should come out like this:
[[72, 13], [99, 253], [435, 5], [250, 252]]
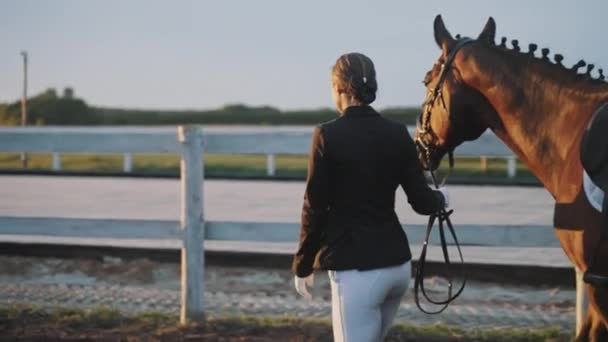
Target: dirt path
[[142, 285]]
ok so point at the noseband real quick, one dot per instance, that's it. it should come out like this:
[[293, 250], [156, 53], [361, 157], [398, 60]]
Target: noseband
[[425, 133], [443, 216]]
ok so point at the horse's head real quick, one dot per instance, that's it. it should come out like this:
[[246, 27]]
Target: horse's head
[[450, 114]]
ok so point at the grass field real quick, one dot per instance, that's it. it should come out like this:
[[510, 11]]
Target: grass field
[[31, 323], [287, 166]]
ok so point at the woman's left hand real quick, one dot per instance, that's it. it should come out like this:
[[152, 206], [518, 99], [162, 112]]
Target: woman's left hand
[[301, 283]]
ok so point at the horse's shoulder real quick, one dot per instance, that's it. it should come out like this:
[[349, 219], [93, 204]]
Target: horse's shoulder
[[570, 179]]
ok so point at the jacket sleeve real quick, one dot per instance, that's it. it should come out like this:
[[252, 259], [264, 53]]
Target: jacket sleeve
[[315, 207], [421, 197]]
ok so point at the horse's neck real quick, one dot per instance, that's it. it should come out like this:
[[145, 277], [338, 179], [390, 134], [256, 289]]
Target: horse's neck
[[541, 121]]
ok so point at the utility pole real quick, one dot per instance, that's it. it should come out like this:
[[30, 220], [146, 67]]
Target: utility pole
[[24, 104]]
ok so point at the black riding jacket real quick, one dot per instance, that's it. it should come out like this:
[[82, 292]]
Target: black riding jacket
[[348, 218]]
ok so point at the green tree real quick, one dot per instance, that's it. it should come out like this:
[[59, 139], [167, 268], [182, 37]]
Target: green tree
[[68, 93], [49, 109]]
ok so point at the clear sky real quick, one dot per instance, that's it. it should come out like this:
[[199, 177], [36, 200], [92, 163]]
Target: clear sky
[[204, 54]]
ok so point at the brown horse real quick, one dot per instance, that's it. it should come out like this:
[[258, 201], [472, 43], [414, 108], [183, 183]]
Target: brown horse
[[539, 109]]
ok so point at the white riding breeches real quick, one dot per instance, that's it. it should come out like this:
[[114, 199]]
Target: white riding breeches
[[364, 303]]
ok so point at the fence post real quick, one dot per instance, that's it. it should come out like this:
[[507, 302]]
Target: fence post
[[127, 162], [484, 163], [56, 161], [511, 166], [192, 223], [581, 300], [271, 164]]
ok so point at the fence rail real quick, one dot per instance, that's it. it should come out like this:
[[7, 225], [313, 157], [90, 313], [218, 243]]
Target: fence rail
[[191, 229], [295, 141], [468, 235]]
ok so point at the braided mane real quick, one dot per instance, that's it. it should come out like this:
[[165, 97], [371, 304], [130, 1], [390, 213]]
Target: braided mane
[[557, 58]]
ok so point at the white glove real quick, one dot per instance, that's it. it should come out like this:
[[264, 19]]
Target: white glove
[[301, 284], [446, 195]]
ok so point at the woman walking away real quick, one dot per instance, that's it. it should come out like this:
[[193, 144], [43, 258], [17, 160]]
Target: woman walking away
[[349, 226]]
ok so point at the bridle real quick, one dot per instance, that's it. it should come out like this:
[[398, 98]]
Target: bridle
[[424, 131], [443, 216]]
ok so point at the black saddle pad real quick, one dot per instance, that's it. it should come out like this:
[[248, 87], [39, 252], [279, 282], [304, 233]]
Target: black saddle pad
[[594, 149]]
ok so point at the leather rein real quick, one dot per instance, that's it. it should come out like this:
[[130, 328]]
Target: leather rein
[[443, 216]]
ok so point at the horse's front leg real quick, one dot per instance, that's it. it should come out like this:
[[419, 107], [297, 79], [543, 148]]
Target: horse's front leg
[[579, 247], [594, 327]]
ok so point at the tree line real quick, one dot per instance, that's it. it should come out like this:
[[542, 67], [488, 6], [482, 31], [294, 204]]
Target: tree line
[[50, 108]]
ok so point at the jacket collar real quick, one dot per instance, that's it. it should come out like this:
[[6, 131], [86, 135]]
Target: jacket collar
[[359, 112]]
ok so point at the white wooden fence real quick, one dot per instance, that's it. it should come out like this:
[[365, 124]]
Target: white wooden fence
[[192, 229], [487, 146]]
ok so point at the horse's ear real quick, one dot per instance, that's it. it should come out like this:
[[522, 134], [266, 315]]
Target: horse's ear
[[489, 32], [442, 36]]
